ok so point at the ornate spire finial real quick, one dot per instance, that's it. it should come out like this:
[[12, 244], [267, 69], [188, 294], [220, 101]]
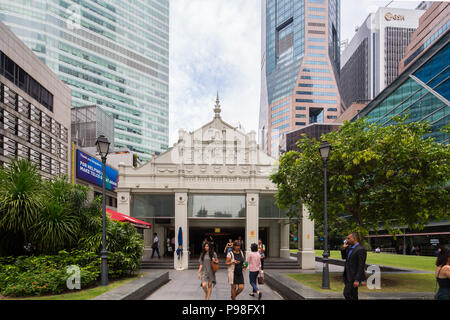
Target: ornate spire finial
[[217, 107]]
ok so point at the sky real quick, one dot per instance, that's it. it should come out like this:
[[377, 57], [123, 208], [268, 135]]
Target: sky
[[215, 47]]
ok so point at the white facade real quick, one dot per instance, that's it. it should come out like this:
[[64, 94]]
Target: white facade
[[215, 161], [374, 29]]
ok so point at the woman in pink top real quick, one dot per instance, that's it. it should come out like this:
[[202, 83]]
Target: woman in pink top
[[254, 265]]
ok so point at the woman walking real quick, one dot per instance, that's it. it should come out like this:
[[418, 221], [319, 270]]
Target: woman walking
[[443, 274], [235, 261], [254, 266], [205, 272], [261, 250]]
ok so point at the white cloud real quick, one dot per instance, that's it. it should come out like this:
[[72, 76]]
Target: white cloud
[[214, 45]]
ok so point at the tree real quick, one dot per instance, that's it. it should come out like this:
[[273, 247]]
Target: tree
[[59, 222], [21, 199], [379, 177]]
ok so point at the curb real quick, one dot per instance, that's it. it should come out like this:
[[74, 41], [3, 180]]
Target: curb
[[138, 289], [290, 289], [341, 263]]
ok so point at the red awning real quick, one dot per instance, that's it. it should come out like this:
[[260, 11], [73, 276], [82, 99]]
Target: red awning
[[114, 215]]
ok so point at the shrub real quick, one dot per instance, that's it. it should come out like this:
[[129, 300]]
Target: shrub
[[47, 274]]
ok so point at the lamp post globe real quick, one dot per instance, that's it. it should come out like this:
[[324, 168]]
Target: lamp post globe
[[324, 150], [102, 145], [103, 149]]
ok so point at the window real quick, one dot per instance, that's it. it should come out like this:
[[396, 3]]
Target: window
[[316, 101], [332, 109], [316, 85], [280, 120], [22, 79], [316, 39], [300, 123], [323, 63], [316, 9], [316, 70], [9, 69], [317, 93], [300, 115], [268, 208], [317, 55], [316, 78], [312, 16], [300, 108], [331, 117], [317, 47], [216, 206]]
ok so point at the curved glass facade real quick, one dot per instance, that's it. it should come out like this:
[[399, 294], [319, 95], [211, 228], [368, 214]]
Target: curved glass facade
[[114, 54], [423, 94]]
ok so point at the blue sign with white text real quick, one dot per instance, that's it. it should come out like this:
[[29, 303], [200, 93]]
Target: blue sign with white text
[[90, 169]]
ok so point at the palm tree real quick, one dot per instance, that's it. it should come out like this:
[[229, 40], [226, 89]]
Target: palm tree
[[21, 198], [59, 222]]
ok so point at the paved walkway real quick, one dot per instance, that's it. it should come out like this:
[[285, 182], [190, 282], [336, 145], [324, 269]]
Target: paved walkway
[[184, 285]]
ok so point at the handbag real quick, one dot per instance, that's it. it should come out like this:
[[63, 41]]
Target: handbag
[[214, 266], [260, 278]]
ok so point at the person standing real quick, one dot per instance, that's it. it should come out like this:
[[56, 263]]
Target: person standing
[[155, 245], [443, 273], [205, 272], [355, 261], [261, 250], [228, 247], [241, 243], [254, 267], [235, 261]]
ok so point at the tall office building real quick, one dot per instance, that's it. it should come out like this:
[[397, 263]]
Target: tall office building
[[34, 110], [370, 61], [300, 67], [113, 54], [433, 24]]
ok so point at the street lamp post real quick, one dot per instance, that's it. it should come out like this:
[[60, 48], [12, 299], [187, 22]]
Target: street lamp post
[[324, 149], [103, 149]]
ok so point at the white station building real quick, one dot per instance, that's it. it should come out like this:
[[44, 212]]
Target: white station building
[[213, 181]]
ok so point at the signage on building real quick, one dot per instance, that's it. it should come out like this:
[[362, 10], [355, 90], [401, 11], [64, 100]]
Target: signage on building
[[90, 169], [434, 241], [390, 16]]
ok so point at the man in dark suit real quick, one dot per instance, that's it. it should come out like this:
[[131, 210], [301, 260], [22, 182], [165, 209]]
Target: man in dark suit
[[355, 262]]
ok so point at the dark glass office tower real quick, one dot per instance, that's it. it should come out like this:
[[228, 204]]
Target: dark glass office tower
[[300, 67]]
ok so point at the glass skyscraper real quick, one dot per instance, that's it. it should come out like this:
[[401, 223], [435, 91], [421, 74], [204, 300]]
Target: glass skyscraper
[[113, 54], [300, 67]]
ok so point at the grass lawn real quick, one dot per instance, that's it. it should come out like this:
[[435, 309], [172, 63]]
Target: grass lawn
[[86, 294], [393, 260], [403, 282]]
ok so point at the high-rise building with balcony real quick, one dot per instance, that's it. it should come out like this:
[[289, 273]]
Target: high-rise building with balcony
[[299, 68], [113, 54]]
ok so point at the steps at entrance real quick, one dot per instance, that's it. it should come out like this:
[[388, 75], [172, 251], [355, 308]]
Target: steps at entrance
[[193, 264]]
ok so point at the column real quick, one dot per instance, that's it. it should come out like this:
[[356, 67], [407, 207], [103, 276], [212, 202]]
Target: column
[[284, 239], [148, 241], [252, 220], [306, 255], [181, 220]]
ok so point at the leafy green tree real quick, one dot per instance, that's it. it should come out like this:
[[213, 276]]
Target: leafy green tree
[[21, 199], [59, 221], [379, 177]]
